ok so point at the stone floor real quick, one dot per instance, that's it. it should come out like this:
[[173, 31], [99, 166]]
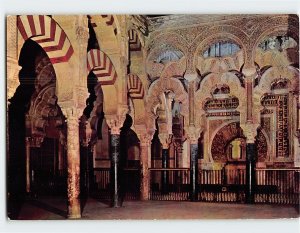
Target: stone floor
[[55, 208]]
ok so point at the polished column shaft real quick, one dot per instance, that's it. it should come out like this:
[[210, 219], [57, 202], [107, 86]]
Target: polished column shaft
[[73, 160], [194, 172], [165, 174], [251, 151], [115, 170]]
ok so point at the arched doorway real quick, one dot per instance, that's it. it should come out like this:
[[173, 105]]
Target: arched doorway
[[36, 130], [130, 161]]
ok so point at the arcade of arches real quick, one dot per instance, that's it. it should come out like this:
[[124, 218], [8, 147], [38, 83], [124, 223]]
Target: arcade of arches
[[124, 93]]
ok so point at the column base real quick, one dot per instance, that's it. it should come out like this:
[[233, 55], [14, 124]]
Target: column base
[[74, 216], [116, 205]]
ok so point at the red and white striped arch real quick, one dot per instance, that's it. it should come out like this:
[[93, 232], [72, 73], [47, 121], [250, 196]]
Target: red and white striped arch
[[102, 67], [48, 34], [134, 41], [135, 87]]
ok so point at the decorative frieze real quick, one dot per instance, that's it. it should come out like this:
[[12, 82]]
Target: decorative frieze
[[280, 102]]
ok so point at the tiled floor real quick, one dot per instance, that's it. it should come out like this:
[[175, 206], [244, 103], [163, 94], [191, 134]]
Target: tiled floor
[[45, 208]]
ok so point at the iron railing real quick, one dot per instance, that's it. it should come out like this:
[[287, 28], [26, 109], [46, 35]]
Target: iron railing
[[176, 187], [226, 185], [280, 186], [129, 183]]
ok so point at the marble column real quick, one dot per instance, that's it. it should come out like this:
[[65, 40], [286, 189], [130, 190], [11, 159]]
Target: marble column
[[115, 122], [193, 134], [165, 140], [250, 131], [115, 169], [145, 145], [73, 162], [251, 153], [194, 172], [12, 70], [28, 173], [165, 174]]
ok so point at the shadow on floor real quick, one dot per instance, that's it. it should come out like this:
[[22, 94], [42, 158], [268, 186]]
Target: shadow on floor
[[48, 207]]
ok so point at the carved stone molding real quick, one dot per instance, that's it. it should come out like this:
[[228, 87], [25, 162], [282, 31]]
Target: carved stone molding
[[11, 27]]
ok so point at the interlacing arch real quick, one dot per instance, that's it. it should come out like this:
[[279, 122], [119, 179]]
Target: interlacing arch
[[209, 84], [45, 31], [162, 85], [281, 25], [219, 37]]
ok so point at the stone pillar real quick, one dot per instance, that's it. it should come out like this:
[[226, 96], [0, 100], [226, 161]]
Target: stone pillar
[[115, 122], [250, 74], [145, 147], [12, 70], [249, 126], [165, 140], [11, 55], [251, 154], [82, 36], [115, 169], [28, 173], [193, 134], [73, 161]]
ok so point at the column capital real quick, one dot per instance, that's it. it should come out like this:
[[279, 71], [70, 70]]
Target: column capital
[[250, 131], [165, 139], [115, 121], [250, 73], [190, 76], [145, 135], [145, 139], [34, 141], [193, 134], [72, 114]]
